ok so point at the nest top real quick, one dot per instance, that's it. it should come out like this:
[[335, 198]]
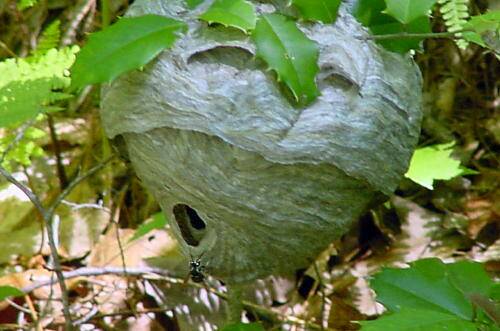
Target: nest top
[[366, 120]]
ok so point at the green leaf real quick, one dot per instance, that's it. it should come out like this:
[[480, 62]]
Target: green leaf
[[290, 53], [470, 277], [126, 45], [402, 45], [426, 285], [485, 22], [243, 327], [27, 85], [370, 14], [474, 37], [435, 163], [318, 10], [24, 4], [418, 320], [495, 292], [193, 3], [485, 30], [9, 291], [236, 13], [49, 39], [23, 150], [158, 222], [406, 11]]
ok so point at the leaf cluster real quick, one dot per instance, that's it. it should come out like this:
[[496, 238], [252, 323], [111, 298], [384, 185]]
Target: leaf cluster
[[132, 42], [396, 17], [435, 163], [278, 39], [409, 22], [435, 296]]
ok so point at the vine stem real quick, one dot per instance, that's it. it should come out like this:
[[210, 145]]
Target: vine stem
[[234, 303], [450, 35], [106, 13]]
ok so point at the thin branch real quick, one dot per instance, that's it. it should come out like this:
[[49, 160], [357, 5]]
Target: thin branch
[[7, 49], [61, 172], [120, 248], [78, 206], [53, 248], [323, 295], [99, 271], [81, 10], [16, 327], [18, 307], [33, 198], [71, 186], [89, 316], [161, 274], [33, 313], [47, 215]]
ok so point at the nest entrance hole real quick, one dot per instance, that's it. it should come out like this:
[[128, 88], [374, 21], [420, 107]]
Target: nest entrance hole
[[191, 225]]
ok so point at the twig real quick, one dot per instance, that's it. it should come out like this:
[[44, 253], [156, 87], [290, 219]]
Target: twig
[[33, 313], [53, 248], [77, 206], [323, 295], [81, 10], [16, 327], [7, 49], [75, 183], [18, 307], [161, 274], [120, 248], [98, 271], [61, 172], [90, 315], [47, 215]]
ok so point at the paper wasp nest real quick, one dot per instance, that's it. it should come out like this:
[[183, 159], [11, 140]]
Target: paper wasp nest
[[256, 185]]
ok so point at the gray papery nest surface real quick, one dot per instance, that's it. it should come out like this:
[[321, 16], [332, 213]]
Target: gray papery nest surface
[[251, 183]]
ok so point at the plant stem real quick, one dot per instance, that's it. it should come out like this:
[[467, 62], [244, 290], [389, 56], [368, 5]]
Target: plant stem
[[234, 304], [401, 35], [106, 13]]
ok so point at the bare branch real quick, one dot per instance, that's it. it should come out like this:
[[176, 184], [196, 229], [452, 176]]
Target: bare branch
[[98, 271], [53, 248], [47, 215], [61, 172], [71, 186], [7, 49], [81, 9]]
